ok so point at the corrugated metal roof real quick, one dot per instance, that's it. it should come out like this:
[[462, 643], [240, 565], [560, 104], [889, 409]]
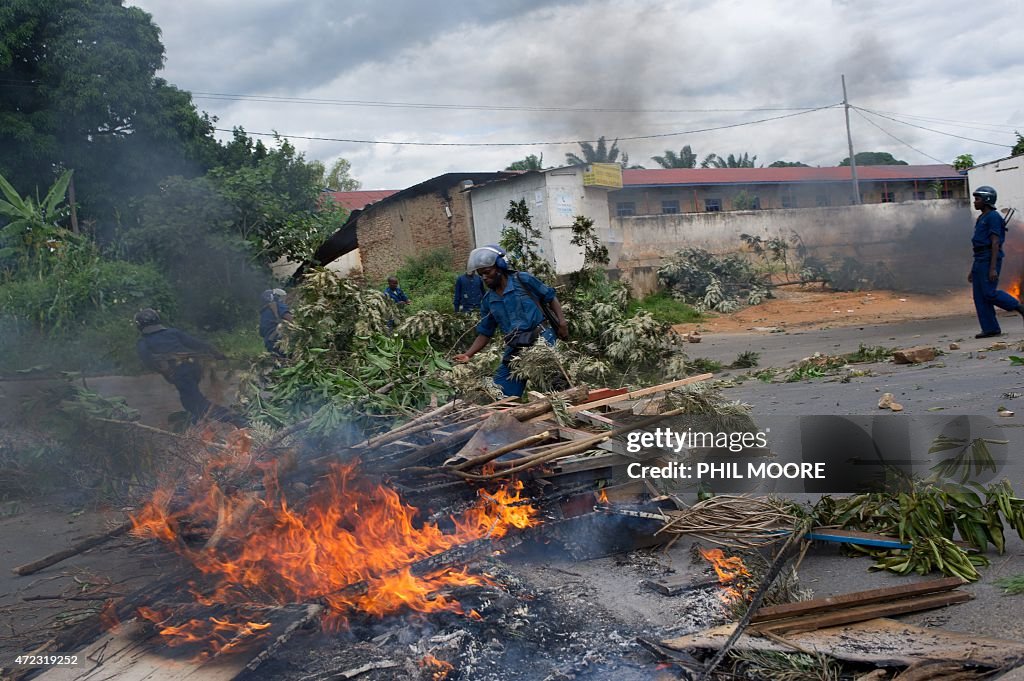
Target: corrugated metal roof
[[361, 199], [708, 176]]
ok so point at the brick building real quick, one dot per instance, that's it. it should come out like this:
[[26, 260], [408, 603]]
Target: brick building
[[380, 236], [699, 190]]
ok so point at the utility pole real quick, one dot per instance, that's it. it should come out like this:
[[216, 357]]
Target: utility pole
[[849, 143]]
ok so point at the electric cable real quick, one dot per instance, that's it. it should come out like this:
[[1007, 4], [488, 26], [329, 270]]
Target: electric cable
[[859, 113], [529, 144], [940, 132]]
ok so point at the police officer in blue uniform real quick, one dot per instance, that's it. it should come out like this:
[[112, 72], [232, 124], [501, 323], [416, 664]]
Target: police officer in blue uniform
[[395, 293], [273, 312], [989, 235], [469, 291], [513, 304], [177, 357]]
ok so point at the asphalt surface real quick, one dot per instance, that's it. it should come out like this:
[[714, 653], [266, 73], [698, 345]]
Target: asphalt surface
[[959, 394]]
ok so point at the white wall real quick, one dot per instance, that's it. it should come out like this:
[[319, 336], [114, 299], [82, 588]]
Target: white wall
[[555, 198], [1006, 177]]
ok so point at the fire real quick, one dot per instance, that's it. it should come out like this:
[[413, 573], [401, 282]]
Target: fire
[[1014, 289], [439, 668], [729, 570], [109, 620], [348, 547], [602, 496]]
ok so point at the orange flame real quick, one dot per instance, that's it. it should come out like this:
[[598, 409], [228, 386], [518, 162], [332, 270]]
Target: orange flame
[[729, 570], [349, 533], [439, 668], [109, 621], [602, 496], [1014, 289]]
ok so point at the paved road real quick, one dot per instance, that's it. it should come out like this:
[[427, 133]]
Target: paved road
[[968, 382], [965, 381]]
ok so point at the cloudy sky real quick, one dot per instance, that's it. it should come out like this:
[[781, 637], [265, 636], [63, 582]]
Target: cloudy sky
[[544, 74]]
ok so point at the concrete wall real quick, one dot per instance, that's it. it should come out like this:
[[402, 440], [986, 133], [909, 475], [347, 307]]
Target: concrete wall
[[926, 244], [555, 198], [1007, 177]]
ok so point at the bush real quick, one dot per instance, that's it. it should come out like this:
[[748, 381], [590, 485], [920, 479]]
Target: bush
[[429, 281], [665, 308], [67, 300]]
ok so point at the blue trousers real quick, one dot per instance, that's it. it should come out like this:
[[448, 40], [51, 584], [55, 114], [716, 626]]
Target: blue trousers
[[987, 295], [503, 376]]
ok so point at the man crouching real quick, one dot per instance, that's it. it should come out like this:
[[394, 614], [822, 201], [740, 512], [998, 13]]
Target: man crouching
[[514, 302]]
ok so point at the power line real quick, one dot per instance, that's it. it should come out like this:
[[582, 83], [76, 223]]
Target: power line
[[964, 124], [273, 99], [529, 144], [941, 132], [861, 114]]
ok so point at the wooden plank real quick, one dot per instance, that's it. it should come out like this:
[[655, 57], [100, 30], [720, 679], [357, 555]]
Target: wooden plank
[[616, 446], [863, 613], [854, 537], [639, 393], [674, 587], [878, 642], [595, 419], [828, 603], [133, 653]]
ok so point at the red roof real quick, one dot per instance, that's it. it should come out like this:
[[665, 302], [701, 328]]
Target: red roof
[[360, 200], [699, 176]]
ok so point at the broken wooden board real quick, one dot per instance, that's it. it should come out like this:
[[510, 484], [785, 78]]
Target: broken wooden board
[[590, 406], [862, 613], [132, 652], [674, 587], [857, 598], [880, 642]]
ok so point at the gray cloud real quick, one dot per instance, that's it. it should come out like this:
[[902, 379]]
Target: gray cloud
[[935, 58]]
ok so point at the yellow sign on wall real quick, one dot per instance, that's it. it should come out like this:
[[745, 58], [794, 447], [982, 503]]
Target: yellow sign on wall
[[603, 175]]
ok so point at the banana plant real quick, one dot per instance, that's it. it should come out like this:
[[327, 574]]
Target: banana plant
[[32, 228]]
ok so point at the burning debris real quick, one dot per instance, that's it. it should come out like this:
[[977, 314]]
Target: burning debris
[[426, 552]]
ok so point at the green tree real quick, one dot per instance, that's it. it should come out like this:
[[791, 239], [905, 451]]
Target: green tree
[[531, 162], [339, 177], [1018, 148], [80, 93], [521, 246], [684, 159], [963, 162], [602, 153], [873, 158], [788, 164], [267, 196], [716, 161]]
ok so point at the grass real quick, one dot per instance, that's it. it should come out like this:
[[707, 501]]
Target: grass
[[242, 344], [816, 367], [665, 308], [703, 365], [746, 360], [868, 353], [1012, 586]]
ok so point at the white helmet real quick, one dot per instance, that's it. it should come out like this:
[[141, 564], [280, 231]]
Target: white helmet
[[486, 256]]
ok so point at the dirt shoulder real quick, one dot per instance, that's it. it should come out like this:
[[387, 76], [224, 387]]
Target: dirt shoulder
[[804, 309]]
